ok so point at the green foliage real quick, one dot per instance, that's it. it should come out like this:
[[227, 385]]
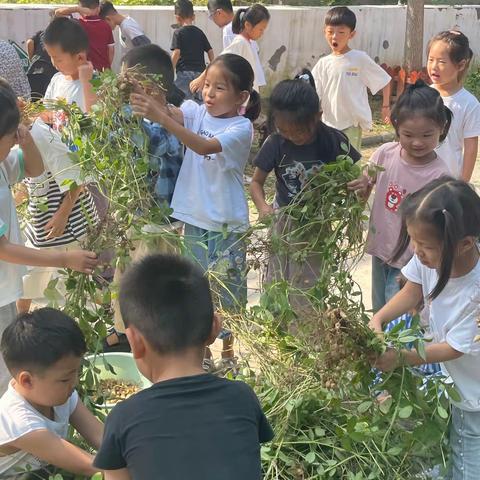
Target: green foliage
[[472, 82]]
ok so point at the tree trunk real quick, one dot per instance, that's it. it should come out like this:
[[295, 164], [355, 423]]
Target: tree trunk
[[413, 59]]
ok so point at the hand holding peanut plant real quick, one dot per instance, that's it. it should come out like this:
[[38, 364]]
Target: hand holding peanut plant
[[147, 107]]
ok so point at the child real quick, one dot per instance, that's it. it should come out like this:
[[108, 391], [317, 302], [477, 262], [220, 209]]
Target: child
[[100, 38], [343, 76], [189, 45], [70, 209], [11, 69], [13, 255], [302, 145], [249, 24], [44, 351], [442, 222], [449, 56], [165, 154], [41, 70], [209, 196], [168, 310], [421, 121], [221, 13], [131, 33]]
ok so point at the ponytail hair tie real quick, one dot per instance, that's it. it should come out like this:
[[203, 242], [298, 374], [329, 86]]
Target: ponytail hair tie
[[444, 211], [242, 14], [304, 78]]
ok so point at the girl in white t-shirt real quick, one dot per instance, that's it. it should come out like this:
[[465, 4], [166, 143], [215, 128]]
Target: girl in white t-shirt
[[449, 55], [209, 195], [442, 223]]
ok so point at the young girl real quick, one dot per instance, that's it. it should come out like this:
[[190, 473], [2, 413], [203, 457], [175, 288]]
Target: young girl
[[249, 24], [301, 145], [421, 121], [209, 196], [442, 222], [14, 165], [449, 56]]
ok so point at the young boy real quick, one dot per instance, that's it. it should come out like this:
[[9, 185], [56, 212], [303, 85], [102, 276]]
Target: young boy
[[189, 45], [100, 37], [165, 154], [14, 164], [218, 423], [43, 350], [342, 79], [131, 33]]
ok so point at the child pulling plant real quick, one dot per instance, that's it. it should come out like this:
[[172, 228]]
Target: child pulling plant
[[442, 222]]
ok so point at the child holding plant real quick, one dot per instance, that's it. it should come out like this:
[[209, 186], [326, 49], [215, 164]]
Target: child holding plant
[[44, 351], [301, 145], [442, 223], [14, 164], [209, 196], [449, 55], [421, 121]]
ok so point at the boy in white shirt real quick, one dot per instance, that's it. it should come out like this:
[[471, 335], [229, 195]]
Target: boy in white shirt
[[131, 33], [44, 351], [342, 78]]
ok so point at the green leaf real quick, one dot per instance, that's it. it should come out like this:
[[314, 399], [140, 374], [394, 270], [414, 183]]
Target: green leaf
[[394, 451], [364, 406], [310, 457], [453, 393], [319, 432], [442, 413], [405, 412], [407, 339], [385, 405]]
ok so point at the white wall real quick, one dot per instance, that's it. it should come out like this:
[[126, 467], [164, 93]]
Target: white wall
[[294, 38]]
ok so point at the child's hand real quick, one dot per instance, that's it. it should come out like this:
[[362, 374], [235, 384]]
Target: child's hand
[[265, 211], [81, 261], [146, 106], [360, 186], [57, 224], [386, 115], [85, 72], [24, 139], [376, 325], [387, 361], [196, 85]]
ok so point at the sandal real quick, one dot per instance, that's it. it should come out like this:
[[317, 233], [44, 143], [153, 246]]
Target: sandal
[[116, 342]]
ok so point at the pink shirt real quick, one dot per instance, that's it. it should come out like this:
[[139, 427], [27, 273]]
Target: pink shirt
[[398, 179]]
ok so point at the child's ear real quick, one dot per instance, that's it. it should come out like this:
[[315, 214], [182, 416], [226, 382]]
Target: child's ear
[[352, 34], [25, 380], [137, 342], [466, 244], [82, 57], [216, 327], [244, 94]]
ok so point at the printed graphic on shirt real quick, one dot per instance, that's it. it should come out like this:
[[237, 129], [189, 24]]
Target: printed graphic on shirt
[[394, 197], [352, 72], [296, 176]]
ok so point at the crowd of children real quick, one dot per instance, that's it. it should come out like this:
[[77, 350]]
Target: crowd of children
[[424, 226]]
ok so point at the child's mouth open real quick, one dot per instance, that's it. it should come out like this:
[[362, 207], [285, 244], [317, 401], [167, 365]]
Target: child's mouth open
[[334, 44]]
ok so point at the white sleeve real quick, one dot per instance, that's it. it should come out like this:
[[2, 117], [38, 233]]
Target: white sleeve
[[233, 141], [317, 79], [56, 156], [15, 422], [471, 127], [462, 335], [412, 271], [14, 166], [73, 402], [373, 75], [190, 110]]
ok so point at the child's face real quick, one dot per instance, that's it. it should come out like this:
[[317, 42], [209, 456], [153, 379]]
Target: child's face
[[425, 244], [6, 144], [219, 17], [55, 385], [419, 136], [221, 99], [257, 31], [294, 132], [64, 62], [338, 37], [440, 67]]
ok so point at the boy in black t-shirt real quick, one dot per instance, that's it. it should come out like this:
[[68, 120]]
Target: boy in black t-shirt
[[189, 45], [189, 424]]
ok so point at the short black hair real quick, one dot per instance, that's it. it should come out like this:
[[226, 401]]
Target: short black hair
[[9, 112], [184, 8], [89, 3], [107, 8], [254, 15], [168, 299], [338, 16], [151, 60], [67, 34], [225, 5], [35, 341]]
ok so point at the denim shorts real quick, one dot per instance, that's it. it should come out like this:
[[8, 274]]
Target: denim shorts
[[183, 83], [384, 283]]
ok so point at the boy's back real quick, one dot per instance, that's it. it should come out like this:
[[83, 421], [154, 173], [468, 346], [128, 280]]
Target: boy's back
[[100, 39], [193, 44], [201, 427]]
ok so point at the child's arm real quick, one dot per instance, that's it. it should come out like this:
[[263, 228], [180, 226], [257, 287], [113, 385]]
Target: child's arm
[[470, 150], [31, 155], [145, 106], [30, 48], [121, 474], [56, 451], [85, 76], [404, 301], [66, 11], [111, 53], [175, 57], [56, 225], [79, 260], [258, 193], [210, 55], [87, 425]]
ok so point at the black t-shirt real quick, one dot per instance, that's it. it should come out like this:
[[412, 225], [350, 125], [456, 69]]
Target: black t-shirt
[[193, 44], [294, 164], [200, 427]]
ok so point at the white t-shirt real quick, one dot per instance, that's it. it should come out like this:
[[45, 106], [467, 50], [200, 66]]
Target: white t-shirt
[[209, 193], [129, 29], [465, 124], [12, 171], [228, 38], [18, 418], [70, 90], [453, 319], [341, 82]]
